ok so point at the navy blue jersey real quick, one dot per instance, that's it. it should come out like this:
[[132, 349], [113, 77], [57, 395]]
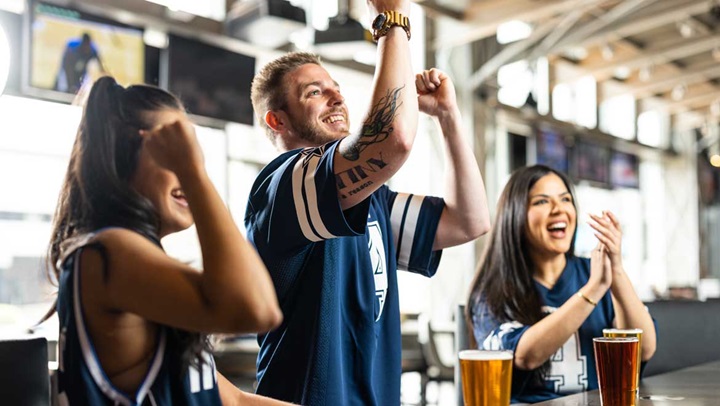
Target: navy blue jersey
[[335, 273], [572, 367], [82, 380]]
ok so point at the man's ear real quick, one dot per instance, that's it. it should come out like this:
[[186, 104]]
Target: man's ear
[[276, 120]]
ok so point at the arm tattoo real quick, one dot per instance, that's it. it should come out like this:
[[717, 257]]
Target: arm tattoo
[[377, 127]]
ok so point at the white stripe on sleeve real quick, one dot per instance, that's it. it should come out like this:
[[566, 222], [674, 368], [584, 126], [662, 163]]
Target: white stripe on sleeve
[[396, 216], [303, 179], [412, 212]]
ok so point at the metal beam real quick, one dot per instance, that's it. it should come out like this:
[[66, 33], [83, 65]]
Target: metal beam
[[642, 21], [653, 55], [666, 82], [702, 99], [483, 17]]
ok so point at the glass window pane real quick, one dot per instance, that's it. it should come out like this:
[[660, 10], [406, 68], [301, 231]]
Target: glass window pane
[[617, 116]]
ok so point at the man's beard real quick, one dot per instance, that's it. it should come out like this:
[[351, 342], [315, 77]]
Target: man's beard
[[308, 130]]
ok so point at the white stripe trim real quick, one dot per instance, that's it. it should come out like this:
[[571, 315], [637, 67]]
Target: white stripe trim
[[396, 215], [411, 218], [297, 187], [207, 372], [312, 199], [89, 352]]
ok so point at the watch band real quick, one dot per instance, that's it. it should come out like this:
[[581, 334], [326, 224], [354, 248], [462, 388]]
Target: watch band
[[388, 19]]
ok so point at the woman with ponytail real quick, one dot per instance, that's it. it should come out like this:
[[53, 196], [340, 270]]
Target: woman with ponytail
[[134, 321], [533, 296]]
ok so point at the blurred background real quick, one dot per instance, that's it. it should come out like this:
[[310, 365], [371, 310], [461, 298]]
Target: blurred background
[[624, 96]]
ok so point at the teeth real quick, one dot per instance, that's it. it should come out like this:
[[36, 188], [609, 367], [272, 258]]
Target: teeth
[[333, 119], [557, 226]]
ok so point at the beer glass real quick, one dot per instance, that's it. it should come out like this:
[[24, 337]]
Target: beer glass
[[628, 332], [616, 363], [486, 377]]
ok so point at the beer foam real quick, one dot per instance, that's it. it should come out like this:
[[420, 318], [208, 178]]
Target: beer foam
[[622, 331], [615, 339], [482, 355]]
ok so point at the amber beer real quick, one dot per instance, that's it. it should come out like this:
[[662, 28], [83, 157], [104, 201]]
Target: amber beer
[[616, 363], [628, 332], [486, 377]]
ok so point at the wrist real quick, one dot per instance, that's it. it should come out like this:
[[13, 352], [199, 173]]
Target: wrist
[[594, 291], [449, 116]]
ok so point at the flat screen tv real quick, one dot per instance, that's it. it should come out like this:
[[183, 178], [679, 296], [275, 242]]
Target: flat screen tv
[[211, 81], [552, 151], [624, 170], [592, 163], [69, 47]]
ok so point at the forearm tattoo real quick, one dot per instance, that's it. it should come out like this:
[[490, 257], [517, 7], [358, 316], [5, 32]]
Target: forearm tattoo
[[378, 125], [358, 174]]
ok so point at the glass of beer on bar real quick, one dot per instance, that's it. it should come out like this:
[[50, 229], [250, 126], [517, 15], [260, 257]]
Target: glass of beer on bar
[[616, 363], [486, 377], [628, 332]]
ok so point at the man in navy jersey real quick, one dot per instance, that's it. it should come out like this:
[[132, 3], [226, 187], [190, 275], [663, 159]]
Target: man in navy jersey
[[333, 236]]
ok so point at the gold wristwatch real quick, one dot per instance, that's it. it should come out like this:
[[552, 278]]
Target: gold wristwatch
[[386, 20]]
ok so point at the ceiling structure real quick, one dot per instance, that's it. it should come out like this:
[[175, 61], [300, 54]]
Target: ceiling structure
[[666, 53]]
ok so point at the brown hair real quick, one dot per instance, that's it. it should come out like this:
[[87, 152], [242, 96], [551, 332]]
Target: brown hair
[[268, 93]]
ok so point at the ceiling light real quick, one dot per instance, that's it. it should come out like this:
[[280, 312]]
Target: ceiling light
[[622, 72], [678, 92], [686, 28], [512, 31], [715, 160], [608, 52], [4, 59], [645, 73], [576, 53]]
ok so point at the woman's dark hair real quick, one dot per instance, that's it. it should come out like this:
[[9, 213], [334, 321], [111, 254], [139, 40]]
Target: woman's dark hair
[[504, 279], [96, 192]]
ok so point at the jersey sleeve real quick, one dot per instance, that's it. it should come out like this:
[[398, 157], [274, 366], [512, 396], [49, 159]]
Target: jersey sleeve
[[492, 334], [295, 202], [414, 221]]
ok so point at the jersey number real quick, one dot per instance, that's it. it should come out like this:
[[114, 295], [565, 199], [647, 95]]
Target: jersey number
[[568, 370]]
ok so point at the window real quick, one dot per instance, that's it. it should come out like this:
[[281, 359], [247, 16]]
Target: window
[[617, 116]]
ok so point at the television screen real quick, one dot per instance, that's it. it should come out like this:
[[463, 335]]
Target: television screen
[[68, 46], [552, 151], [624, 170], [592, 162], [211, 81]]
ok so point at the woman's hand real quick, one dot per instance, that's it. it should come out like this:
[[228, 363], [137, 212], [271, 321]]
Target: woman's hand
[[608, 231], [601, 275], [174, 146]]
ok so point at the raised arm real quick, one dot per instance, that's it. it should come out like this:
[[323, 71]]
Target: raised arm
[[365, 161], [545, 337], [233, 294], [630, 312], [466, 214]]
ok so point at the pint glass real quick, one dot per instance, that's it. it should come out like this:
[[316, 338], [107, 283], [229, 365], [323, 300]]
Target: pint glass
[[486, 377], [616, 363], [628, 332]]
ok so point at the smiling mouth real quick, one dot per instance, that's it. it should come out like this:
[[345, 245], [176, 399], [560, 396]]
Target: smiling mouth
[[179, 197], [335, 118], [558, 229]]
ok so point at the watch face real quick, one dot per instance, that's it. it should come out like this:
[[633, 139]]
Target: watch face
[[379, 21]]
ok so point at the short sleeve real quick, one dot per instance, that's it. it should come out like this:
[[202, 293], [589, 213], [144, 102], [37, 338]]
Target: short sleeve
[[491, 334], [294, 202], [414, 221]]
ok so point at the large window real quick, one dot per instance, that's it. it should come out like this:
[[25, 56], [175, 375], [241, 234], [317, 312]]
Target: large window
[[576, 102]]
